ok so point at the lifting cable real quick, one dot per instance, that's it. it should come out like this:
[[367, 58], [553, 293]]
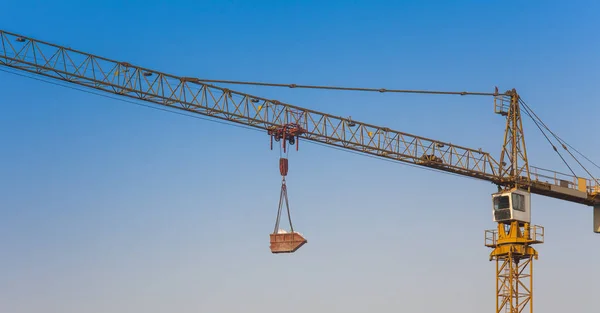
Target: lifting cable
[[283, 199], [283, 170], [534, 116]]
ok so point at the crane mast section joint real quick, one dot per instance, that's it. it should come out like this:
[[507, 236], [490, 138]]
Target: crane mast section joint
[[515, 239], [192, 95]]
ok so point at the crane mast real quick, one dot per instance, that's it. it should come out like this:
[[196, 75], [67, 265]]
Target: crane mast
[[513, 149], [513, 239], [511, 242]]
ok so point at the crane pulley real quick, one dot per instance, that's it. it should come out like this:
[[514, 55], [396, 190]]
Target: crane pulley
[[290, 133]]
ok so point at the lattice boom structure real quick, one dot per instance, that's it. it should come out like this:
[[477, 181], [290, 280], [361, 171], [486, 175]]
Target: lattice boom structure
[[190, 94]]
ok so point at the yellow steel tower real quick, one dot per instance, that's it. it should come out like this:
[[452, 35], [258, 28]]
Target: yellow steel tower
[[514, 264], [512, 240]]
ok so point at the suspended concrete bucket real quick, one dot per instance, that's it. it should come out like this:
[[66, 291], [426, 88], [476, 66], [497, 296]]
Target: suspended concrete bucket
[[286, 242], [281, 240]]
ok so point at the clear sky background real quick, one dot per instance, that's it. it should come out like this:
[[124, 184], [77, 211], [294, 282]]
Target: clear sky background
[[107, 206]]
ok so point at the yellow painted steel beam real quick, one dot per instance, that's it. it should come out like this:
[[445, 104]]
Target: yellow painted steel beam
[[191, 94], [514, 257]]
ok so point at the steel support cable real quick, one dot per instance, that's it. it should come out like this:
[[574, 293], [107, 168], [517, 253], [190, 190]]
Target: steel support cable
[[287, 205], [526, 109], [283, 197], [382, 90], [585, 157], [286, 153], [560, 141], [289, 85], [563, 142], [275, 231]]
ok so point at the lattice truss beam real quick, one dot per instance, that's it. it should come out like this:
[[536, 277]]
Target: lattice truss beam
[[513, 160], [514, 284], [191, 94]]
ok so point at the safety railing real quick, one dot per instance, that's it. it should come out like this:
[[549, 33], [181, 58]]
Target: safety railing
[[536, 235], [491, 237], [564, 180]]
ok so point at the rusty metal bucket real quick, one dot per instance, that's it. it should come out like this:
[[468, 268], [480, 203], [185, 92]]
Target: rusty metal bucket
[[284, 242]]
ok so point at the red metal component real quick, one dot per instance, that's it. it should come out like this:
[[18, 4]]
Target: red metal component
[[282, 241], [288, 132], [286, 242], [283, 166]]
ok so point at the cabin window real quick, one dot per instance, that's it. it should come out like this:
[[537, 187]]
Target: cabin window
[[518, 202], [501, 202]]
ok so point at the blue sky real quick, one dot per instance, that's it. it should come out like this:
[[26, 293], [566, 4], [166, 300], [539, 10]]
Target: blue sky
[[110, 207]]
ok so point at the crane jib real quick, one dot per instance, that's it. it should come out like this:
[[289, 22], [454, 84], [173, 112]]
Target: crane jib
[[193, 95]]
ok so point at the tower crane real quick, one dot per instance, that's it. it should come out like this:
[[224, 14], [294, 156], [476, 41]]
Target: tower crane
[[511, 242]]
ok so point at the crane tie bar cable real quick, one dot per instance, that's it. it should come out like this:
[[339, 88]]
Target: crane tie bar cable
[[534, 116], [382, 90]]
